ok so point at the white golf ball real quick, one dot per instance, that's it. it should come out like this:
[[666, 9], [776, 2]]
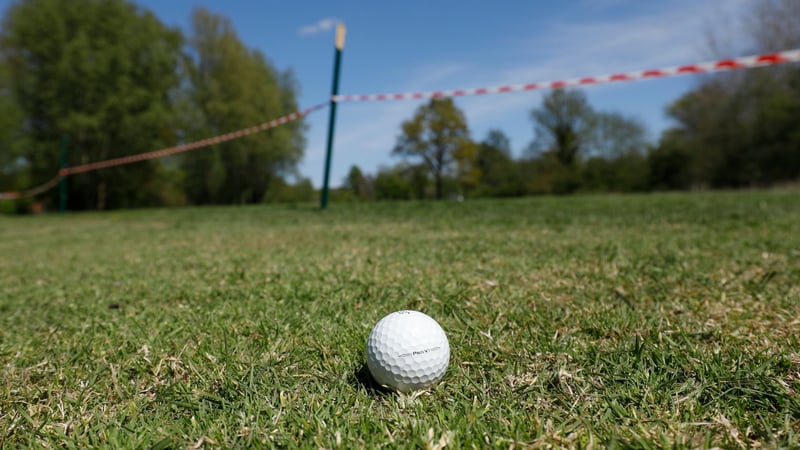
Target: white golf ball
[[407, 350]]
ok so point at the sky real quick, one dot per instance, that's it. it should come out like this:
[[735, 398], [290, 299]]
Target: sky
[[429, 45]]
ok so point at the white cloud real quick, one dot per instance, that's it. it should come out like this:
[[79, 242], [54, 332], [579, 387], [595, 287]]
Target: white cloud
[[321, 26]]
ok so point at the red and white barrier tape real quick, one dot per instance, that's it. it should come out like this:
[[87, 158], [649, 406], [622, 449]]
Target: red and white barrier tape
[[160, 153], [190, 146], [744, 62], [31, 192]]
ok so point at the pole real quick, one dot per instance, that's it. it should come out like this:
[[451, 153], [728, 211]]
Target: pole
[[340, 31], [62, 204]]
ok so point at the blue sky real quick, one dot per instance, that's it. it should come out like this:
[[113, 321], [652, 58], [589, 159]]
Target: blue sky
[[431, 45]]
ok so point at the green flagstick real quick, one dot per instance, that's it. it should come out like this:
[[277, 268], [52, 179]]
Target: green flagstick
[[340, 31]]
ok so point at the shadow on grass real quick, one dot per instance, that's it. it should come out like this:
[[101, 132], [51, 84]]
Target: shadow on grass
[[363, 379]]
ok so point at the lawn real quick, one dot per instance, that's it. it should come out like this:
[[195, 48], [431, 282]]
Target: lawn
[[654, 320]]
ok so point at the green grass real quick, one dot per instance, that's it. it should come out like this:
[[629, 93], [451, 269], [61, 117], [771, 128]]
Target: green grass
[[667, 320]]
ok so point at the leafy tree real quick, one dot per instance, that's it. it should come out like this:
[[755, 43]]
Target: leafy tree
[[772, 106], [392, 184], [669, 163], [499, 174], [563, 125], [355, 181], [468, 174], [101, 73], [568, 131], [545, 174], [740, 137], [499, 142], [417, 175], [438, 134], [12, 138], [625, 173], [613, 135], [698, 115], [776, 133], [233, 87], [282, 192], [740, 129], [618, 145]]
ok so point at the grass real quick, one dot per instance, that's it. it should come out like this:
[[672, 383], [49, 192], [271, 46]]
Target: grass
[[636, 321]]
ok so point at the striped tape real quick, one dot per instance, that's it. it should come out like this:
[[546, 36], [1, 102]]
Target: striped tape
[[190, 146], [745, 62], [31, 192], [160, 153]]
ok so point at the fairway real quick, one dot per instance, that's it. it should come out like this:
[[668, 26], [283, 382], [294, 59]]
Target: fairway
[[640, 321]]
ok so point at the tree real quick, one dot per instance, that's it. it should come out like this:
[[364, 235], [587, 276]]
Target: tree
[[282, 192], [563, 125], [12, 138], [669, 163], [101, 73], [570, 134], [740, 137], [233, 87], [392, 184], [437, 134], [614, 135], [468, 174], [499, 174], [624, 173], [354, 180], [359, 183], [739, 129], [499, 142], [417, 175]]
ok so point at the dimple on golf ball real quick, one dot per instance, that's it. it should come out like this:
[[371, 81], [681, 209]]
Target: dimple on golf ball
[[407, 350]]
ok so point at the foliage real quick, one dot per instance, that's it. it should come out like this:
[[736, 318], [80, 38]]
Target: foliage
[[354, 180], [669, 163], [13, 168], [231, 87], [740, 133], [740, 129], [100, 73], [613, 136], [438, 134], [580, 148], [467, 173], [302, 191], [500, 176], [625, 173], [563, 125], [549, 175], [362, 186], [393, 184]]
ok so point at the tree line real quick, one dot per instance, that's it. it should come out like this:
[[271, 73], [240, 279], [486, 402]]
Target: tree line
[[106, 79], [734, 130], [729, 133]]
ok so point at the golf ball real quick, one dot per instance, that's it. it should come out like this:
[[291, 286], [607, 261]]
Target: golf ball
[[407, 350]]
